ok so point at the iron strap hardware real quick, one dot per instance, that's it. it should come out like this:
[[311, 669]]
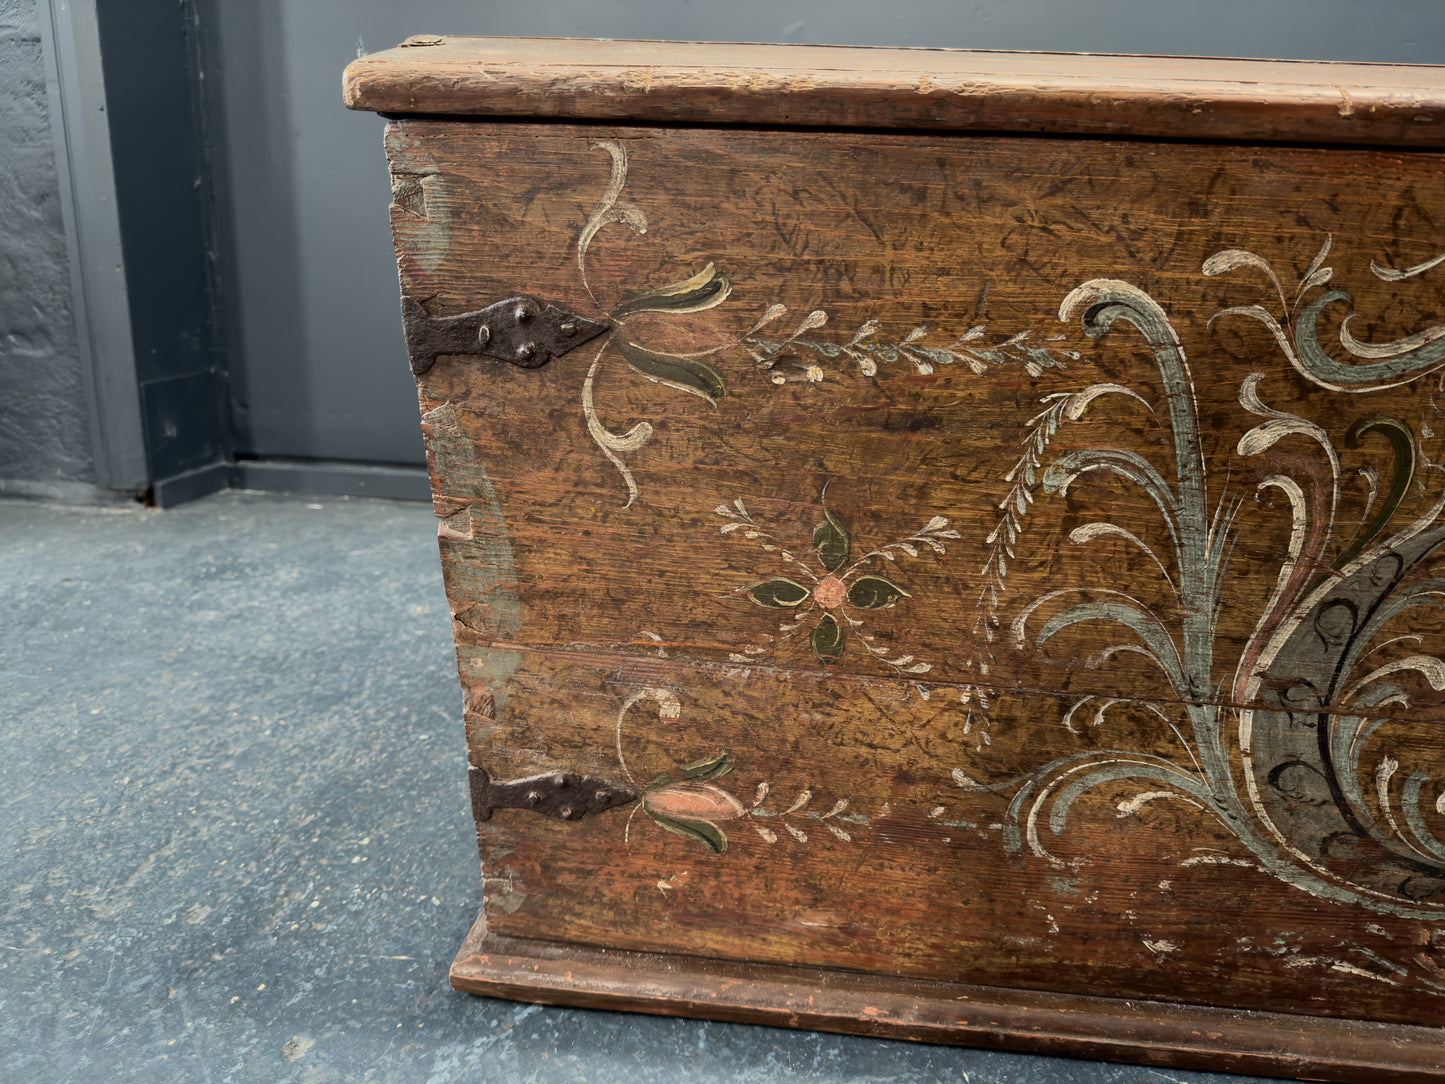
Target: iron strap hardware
[[522, 330], [567, 796]]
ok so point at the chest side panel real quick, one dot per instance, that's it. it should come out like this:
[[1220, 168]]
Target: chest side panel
[[988, 559]]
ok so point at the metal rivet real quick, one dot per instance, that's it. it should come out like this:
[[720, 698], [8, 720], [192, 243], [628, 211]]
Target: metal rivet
[[527, 351], [559, 780], [523, 313], [484, 334], [533, 798], [568, 329], [567, 813]]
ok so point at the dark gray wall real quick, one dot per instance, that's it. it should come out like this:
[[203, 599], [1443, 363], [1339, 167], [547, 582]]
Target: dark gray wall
[[319, 368], [309, 252], [44, 428], [152, 61]]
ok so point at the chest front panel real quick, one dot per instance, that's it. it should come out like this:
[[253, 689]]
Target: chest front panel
[[1000, 560]]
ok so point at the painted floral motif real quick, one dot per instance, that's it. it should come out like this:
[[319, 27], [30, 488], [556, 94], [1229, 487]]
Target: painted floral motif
[[688, 803], [832, 598], [1288, 750], [1309, 699], [688, 806], [705, 290], [1387, 365], [1023, 478], [796, 359], [797, 811]]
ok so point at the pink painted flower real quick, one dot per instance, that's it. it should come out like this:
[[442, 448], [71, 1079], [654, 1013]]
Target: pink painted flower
[[692, 801], [691, 807], [830, 593]]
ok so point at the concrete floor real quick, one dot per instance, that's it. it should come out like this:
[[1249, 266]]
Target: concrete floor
[[235, 829]]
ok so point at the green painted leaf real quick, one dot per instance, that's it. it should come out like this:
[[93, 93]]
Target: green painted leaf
[[704, 832], [685, 374], [779, 593], [1042, 358], [709, 767], [831, 542], [1402, 443], [874, 592], [709, 287], [828, 640]]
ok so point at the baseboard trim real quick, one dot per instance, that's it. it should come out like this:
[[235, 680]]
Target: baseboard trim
[[321, 478], [304, 478], [169, 492], [299, 477]]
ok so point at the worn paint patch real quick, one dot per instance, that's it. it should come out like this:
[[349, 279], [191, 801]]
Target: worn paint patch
[[422, 218], [476, 550]]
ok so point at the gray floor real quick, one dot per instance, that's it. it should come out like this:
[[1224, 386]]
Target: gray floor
[[235, 833]]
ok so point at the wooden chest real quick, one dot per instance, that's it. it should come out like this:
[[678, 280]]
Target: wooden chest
[[943, 545]]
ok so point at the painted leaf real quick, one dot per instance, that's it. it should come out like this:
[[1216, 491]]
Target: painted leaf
[[779, 593], [831, 542], [709, 835], [828, 640], [875, 592], [815, 319], [1042, 358], [775, 310], [1232, 258], [709, 287], [709, 767], [685, 374], [1402, 442], [1389, 274], [1157, 642]]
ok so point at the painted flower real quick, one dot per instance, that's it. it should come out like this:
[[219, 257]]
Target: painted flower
[[690, 806], [837, 591], [685, 372], [830, 592]]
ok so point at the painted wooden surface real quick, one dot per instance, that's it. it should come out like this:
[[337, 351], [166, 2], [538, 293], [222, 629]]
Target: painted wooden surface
[[972, 558], [833, 86]]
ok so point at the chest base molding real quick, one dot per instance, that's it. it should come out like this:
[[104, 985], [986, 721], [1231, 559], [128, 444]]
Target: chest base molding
[[1064, 1025]]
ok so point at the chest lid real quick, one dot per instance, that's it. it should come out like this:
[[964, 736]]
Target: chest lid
[[934, 89]]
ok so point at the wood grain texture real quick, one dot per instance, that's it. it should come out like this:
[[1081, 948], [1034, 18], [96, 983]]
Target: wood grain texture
[[942, 89], [989, 560], [1144, 1032]]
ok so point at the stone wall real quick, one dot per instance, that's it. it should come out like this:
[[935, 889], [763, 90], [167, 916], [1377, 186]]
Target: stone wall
[[44, 430]]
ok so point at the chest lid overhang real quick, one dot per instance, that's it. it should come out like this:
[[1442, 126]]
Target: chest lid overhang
[[824, 86]]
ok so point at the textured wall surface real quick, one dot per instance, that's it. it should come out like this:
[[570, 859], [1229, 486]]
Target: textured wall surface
[[44, 431]]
